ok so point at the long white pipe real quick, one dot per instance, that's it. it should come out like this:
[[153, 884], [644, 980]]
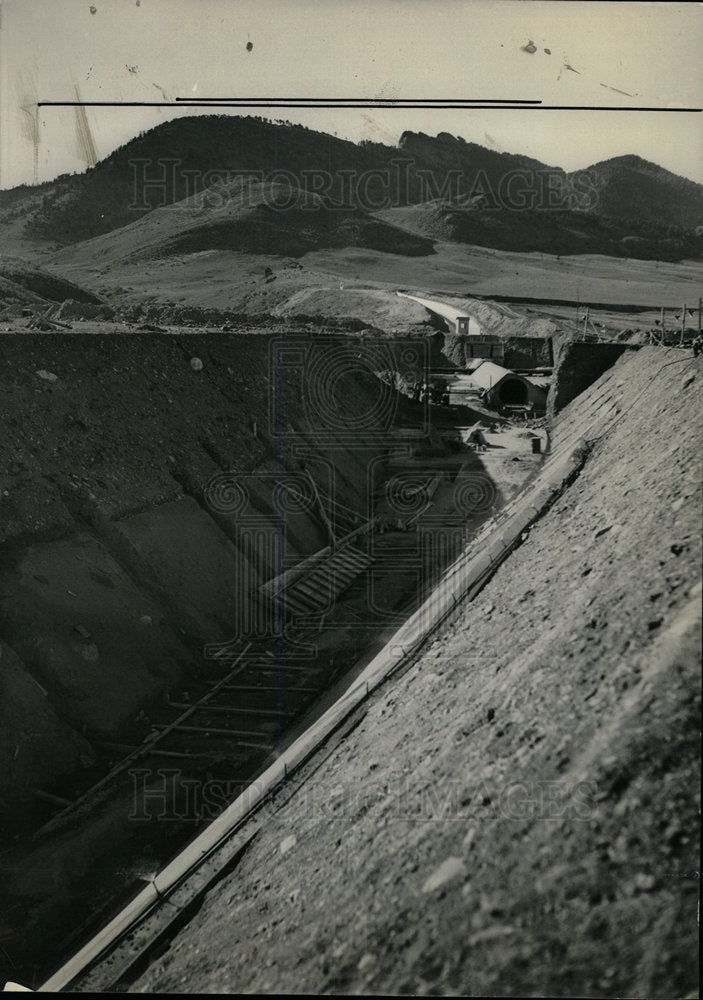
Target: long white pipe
[[468, 570]]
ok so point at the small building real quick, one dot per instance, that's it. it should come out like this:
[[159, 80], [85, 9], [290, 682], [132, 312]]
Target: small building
[[501, 388]]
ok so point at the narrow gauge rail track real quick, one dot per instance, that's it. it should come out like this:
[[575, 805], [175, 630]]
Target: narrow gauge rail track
[[241, 713], [235, 722]]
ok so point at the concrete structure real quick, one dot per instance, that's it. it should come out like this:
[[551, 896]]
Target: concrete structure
[[460, 323], [500, 387], [456, 320]]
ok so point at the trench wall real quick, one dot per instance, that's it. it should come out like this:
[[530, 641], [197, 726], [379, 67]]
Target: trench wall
[[142, 506], [578, 365]]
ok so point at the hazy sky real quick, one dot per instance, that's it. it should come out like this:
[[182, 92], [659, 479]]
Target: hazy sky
[[620, 53]]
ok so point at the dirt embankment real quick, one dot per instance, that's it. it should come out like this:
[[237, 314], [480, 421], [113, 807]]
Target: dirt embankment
[[515, 815], [125, 463], [576, 366]]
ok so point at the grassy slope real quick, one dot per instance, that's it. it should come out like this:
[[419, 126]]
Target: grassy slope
[[245, 217], [361, 283]]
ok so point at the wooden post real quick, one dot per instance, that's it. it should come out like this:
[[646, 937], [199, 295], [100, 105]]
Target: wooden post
[[323, 512], [683, 323], [661, 326], [585, 321], [700, 307], [54, 800]]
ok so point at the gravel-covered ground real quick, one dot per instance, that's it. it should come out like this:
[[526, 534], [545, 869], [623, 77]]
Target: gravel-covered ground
[[515, 814]]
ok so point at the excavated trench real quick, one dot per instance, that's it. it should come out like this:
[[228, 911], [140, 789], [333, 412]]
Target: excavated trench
[[253, 512]]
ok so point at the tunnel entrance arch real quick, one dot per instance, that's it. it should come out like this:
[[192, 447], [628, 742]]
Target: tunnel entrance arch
[[512, 392]]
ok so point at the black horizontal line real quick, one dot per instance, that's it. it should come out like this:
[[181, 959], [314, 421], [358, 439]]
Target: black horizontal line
[[419, 107], [370, 100], [256, 103], [604, 107]]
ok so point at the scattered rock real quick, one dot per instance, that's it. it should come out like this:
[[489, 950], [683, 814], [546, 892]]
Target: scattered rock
[[366, 961], [642, 882], [448, 871], [491, 934], [196, 364], [469, 838], [47, 376], [89, 652], [288, 843]]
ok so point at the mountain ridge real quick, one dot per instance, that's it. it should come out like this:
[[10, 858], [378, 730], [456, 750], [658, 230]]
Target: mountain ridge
[[648, 211]]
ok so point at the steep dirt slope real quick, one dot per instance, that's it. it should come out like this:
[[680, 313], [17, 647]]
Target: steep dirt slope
[[115, 567], [516, 814]]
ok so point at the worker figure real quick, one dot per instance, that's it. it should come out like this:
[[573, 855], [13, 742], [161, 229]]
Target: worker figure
[[698, 345], [478, 438]]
